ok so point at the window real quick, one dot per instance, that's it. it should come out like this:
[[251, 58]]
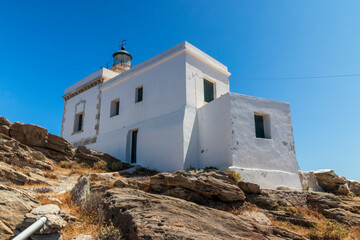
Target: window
[[262, 125], [114, 108], [208, 91], [139, 94], [79, 119]]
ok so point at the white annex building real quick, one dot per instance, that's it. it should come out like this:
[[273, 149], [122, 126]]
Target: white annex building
[[174, 111]]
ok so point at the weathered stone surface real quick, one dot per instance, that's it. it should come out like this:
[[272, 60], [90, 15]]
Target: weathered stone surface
[[54, 221], [144, 215], [5, 130], [83, 237], [330, 182], [13, 175], [294, 218], [14, 204], [206, 184], [308, 181], [4, 122], [354, 187], [36, 136], [81, 190], [29, 134], [259, 217], [272, 199], [15, 153], [341, 208], [249, 188], [90, 156]]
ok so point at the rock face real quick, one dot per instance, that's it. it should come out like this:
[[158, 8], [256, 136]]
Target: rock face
[[197, 186], [143, 215], [331, 182], [15, 153], [249, 188], [14, 204], [81, 190], [90, 156], [4, 126], [51, 145]]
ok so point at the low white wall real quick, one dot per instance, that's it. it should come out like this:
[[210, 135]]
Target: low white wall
[[227, 139], [268, 179]]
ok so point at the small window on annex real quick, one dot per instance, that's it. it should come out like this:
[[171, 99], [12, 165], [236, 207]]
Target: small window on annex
[[139, 94], [262, 125], [208, 91], [114, 108], [79, 122]]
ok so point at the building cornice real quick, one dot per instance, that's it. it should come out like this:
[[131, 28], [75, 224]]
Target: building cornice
[[85, 87]]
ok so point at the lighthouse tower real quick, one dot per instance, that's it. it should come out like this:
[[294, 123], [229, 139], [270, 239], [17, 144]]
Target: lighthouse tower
[[122, 60]]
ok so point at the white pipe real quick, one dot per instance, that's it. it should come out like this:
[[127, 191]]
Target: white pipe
[[31, 229]]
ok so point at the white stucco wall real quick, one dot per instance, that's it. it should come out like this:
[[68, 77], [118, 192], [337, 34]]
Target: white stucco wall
[[89, 98], [227, 135]]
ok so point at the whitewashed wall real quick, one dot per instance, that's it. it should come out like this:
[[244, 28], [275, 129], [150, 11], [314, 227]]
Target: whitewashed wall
[[158, 118], [227, 130], [88, 97]]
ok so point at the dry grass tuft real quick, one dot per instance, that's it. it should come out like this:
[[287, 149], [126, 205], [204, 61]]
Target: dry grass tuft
[[247, 207], [324, 229]]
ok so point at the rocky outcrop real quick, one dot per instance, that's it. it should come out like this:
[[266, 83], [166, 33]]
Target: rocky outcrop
[[197, 186], [4, 126], [14, 204], [331, 182], [15, 153], [354, 187], [51, 145], [81, 190], [90, 157], [343, 209], [142, 215], [14, 175]]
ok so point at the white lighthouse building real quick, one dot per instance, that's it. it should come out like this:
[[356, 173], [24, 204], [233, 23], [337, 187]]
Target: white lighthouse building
[[174, 111]]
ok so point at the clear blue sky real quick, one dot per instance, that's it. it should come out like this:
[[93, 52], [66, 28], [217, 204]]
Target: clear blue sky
[[46, 46]]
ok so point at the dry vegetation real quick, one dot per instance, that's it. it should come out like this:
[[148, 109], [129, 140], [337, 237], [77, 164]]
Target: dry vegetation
[[325, 229], [89, 219]]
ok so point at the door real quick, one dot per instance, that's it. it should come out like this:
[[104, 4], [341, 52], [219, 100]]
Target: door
[[133, 145]]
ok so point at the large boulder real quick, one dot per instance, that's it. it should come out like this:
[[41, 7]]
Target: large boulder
[[36, 136], [249, 188], [142, 215], [331, 182], [81, 190], [14, 204], [354, 187], [197, 186]]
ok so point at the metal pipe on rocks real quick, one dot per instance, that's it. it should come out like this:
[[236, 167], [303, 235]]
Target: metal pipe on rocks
[[31, 229]]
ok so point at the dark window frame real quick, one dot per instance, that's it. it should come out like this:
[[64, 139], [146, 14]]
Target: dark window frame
[[209, 90], [79, 122], [139, 94], [115, 107]]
